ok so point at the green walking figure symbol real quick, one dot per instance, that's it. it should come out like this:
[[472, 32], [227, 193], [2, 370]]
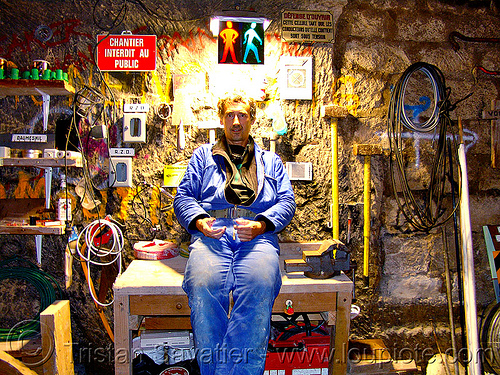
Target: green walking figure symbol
[[229, 37], [249, 37]]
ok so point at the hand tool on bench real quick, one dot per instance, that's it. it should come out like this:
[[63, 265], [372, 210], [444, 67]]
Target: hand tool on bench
[[367, 151], [329, 260]]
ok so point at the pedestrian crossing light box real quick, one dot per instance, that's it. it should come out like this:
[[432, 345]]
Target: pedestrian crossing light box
[[240, 40]]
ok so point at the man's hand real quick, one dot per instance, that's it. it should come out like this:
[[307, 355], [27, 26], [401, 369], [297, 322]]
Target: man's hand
[[247, 230], [205, 226]]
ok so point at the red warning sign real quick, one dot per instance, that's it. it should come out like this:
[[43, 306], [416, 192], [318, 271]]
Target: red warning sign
[[126, 52]]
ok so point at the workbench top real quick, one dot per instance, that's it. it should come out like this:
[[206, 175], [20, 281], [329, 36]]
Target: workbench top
[[166, 276]]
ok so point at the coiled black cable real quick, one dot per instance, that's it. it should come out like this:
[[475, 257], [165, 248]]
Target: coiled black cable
[[47, 287], [427, 211]]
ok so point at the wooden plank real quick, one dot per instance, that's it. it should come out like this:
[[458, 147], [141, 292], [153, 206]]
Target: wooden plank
[[33, 229], [340, 335], [368, 349], [55, 325], [21, 208], [178, 305], [306, 302], [392, 367], [159, 305], [10, 87], [11, 366], [123, 335], [167, 322], [20, 348], [28, 351]]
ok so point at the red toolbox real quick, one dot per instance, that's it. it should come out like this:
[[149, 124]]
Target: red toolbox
[[301, 354]]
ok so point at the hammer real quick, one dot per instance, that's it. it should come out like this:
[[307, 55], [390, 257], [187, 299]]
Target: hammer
[[334, 112], [367, 151]]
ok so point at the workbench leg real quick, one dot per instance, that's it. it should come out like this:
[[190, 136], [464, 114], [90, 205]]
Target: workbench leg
[[339, 339], [123, 336]]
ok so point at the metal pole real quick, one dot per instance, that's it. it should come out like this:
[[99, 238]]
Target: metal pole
[[458, 256], [474, 367], [450, 302], [366, 216]]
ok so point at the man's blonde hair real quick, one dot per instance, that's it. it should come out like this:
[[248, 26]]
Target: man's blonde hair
[[236, 97]]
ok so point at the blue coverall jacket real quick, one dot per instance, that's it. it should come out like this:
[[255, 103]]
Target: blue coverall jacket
[[202, 188]]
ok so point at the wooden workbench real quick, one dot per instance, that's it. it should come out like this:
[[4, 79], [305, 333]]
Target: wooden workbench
[[153, 288]]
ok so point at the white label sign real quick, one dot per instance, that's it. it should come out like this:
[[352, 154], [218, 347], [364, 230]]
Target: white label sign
[[36, 138], [144, 107], [121, 152], [306, 26]]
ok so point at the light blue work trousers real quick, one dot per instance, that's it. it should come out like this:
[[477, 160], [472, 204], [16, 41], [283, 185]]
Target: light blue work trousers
[[235, 342]]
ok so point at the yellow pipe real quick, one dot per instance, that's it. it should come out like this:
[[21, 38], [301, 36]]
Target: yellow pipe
[[335, 179], [366, 216]]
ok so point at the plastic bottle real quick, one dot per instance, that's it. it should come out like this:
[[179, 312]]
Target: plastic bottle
[[63, 211]]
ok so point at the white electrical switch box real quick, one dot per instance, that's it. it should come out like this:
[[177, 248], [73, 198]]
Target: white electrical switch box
[[299, 171], [120, 172], [134, 122]]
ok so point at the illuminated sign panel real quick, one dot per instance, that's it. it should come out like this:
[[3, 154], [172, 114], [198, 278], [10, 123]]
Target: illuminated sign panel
[[240, 42], [126, 52]]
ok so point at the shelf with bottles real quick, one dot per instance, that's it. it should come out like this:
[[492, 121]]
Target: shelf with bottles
[[10, 87], [46, 88], [42, 162]]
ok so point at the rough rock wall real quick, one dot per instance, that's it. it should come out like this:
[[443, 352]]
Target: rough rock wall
[[375, 41]]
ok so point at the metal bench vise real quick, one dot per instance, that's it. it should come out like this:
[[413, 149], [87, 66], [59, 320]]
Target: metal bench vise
[[329, 260]]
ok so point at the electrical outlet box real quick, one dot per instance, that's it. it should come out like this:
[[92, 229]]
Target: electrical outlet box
[[120, 172], [134, 122], [134, 127], [299, 171]]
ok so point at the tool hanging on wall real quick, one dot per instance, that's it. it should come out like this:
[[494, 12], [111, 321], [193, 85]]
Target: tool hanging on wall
[[494, 116], [367, 151], [69, 253], [334, 112], [349, 224], [164, 112], [181, 137], [182, 115]]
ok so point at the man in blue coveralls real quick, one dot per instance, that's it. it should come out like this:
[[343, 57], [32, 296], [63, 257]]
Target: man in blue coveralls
[[233, 199]]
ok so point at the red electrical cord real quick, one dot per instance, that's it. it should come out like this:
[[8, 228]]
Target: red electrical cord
[[486, 71]]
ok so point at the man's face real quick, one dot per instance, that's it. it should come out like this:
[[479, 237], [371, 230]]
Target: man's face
[[237, 123]]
